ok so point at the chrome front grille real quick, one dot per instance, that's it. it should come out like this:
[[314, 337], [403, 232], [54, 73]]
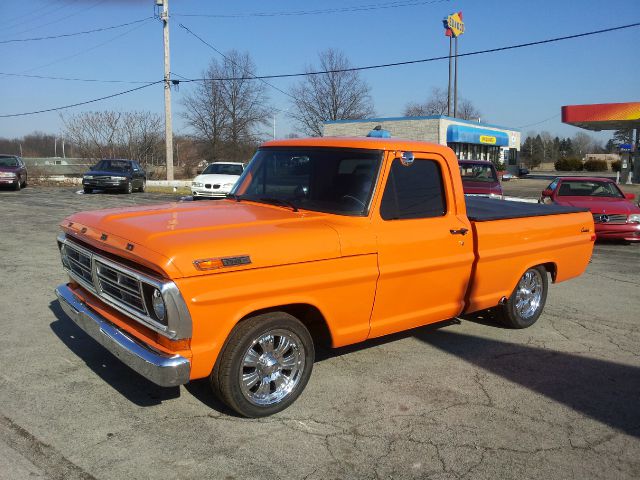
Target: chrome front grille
[[117, 285], [79, 263], [120, 286], [614, 219], [127, 289]]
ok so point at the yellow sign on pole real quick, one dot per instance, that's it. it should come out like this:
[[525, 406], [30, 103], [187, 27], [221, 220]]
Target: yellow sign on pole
[[454, 25]]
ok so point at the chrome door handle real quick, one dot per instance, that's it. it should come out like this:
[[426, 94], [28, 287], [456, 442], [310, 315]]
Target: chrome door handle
[[462, 231]]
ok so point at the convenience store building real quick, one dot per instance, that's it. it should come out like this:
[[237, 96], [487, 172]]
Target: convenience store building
[[469, 140]]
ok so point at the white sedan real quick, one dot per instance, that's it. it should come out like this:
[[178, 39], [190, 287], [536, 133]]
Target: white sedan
[[216, 180]]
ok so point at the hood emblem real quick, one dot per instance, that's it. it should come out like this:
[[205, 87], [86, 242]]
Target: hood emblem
[[604, 218], [216, 263]]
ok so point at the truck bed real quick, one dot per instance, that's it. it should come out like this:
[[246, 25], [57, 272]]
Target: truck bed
[[482, 209]]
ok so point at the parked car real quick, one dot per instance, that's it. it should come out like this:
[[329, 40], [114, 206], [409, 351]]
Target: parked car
[[216, 180], [323, 241], [115, 174], [480, 178], [13, 172], [614, 214]]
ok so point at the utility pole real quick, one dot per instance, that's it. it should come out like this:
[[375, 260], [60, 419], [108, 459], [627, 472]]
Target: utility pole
[[168, 130]]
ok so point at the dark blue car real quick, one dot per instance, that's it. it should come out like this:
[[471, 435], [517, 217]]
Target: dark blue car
[[115, 174]]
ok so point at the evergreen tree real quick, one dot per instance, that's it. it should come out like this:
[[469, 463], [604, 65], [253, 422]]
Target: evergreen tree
[[537, 155]]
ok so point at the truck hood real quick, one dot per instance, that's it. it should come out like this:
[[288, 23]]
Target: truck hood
[[173, 236]]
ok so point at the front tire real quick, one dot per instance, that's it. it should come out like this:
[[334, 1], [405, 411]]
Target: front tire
[[128, 189], [525, 305], [265, 365]]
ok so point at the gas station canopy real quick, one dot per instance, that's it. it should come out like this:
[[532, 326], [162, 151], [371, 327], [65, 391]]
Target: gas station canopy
[[603, 116]]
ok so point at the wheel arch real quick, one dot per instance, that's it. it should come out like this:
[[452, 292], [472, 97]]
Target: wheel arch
[[551, 268], [308, 314]]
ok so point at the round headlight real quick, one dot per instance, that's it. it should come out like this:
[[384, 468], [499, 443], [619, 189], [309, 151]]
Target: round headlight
[[158, 305]]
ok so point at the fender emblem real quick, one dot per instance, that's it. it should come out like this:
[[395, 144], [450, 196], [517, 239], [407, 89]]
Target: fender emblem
[[215, 263]]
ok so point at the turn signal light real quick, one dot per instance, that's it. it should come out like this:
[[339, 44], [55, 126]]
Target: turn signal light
[[208, 263]]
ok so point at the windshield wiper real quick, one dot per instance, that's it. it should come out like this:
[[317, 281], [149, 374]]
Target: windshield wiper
[[280, 201]]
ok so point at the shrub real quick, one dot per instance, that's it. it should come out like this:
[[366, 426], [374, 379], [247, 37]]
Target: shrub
[[595, 165], [568, 165], [616, 166]]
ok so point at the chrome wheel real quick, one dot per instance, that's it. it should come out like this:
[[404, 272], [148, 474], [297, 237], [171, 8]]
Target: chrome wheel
[[272, 367], [529, 294]]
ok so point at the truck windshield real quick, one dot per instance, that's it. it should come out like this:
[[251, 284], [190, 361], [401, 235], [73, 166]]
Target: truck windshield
[[328, 180], [477, 172]]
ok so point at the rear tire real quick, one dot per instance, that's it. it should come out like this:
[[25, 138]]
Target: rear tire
[[525, 305], [265, 365], [143, 186]]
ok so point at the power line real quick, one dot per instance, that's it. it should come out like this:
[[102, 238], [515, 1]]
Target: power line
[[432, 59], [68, 79], [75, 33], [538, 123], [41, 10], [80, 103], [89, 49], [378, 6], [370, 67], [77, 12], [230, 60]]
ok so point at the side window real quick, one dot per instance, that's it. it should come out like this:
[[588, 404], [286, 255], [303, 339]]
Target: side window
[[415, 191]]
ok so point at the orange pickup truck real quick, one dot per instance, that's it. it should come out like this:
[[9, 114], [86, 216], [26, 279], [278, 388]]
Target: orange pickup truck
[[321, 240]]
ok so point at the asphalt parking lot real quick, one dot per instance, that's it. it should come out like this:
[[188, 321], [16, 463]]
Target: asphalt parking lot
[[465, 399]]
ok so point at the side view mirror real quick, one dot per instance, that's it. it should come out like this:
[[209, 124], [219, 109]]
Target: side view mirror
[[629, 196], [547, 192]]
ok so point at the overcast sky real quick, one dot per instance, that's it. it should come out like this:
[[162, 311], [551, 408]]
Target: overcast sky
[[522, 88]]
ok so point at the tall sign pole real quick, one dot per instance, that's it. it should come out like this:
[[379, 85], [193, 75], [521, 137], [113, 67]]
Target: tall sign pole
[[455, 81], [454, 27], [449, 85], [168, 130]]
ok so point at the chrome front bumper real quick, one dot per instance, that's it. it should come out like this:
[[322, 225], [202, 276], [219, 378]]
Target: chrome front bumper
[[161, 369]]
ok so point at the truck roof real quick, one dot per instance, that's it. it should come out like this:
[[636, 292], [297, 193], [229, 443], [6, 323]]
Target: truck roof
[[360, 142]]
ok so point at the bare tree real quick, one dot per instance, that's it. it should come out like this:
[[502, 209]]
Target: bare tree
[[436, 104], [109, 134], [582, 144], [226, 109], [335, 95]]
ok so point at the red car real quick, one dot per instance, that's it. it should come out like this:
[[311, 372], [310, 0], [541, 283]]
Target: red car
[[479, 177], [13, 172], [614, 214]]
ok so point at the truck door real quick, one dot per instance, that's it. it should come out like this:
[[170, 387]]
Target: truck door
[[425, 249]]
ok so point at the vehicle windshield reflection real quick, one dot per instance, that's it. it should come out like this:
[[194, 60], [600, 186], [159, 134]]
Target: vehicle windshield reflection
[[339, 181]]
